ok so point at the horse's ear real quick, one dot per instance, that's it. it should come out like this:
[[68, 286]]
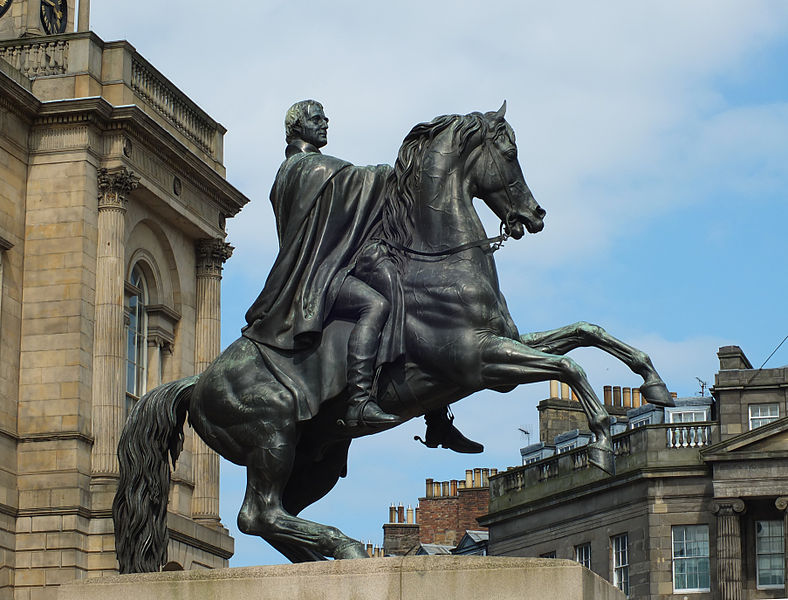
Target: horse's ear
[[499, 115]]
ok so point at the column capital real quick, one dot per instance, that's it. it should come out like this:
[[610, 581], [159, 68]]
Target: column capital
[[211, 255], [114, 186], [727, 506]]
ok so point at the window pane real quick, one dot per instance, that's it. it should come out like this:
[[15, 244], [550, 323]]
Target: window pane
[[691, 557], [770, 550]]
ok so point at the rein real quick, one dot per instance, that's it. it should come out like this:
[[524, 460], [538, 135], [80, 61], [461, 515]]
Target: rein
[[494, 242]]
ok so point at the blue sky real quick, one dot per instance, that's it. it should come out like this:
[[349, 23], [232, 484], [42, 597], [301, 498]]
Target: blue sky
[[655, 134]]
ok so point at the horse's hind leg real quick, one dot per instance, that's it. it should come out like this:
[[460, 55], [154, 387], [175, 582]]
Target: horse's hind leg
[[507, 362], [262, 512], [582, 334]]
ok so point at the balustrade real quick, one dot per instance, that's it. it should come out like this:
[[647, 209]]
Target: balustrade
[[37, 59]]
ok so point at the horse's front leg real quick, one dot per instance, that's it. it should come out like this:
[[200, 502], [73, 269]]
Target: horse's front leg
[[509, 362], [582, 334]]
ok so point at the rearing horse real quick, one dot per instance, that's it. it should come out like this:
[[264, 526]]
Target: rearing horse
[[460, 338]]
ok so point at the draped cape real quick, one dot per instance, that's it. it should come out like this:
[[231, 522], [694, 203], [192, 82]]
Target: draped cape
[[326, 210]]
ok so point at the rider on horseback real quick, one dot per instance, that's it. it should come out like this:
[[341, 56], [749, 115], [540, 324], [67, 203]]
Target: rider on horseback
[[327, 265]]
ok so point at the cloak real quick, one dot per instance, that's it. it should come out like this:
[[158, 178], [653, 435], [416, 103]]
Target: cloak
[[326, 210]]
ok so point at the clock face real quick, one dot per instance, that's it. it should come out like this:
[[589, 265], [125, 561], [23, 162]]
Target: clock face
[[54, 15], [4, 6]]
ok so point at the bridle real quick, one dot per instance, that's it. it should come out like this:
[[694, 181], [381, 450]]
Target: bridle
[[494, 243]]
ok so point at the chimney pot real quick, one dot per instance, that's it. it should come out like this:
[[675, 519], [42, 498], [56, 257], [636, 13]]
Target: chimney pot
[[468, 478], [453, 490], [627, 397], [616, 395], [493, 472], [554, 388], [400, 514], [565, 391], [608, 393], [392, 514], [429, 488], [410, 514], [636, 401], [477, 478]]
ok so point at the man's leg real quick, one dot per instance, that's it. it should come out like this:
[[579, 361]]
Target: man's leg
[[369, 309], [378, 270]]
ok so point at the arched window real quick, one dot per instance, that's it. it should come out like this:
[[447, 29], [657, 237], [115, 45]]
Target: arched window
[[136, 334]]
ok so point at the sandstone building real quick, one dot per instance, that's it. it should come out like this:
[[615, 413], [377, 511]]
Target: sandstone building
[[696, 509], [113, 201]]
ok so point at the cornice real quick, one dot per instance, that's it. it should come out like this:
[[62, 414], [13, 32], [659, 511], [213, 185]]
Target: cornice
[[96, 111], [15, 98]]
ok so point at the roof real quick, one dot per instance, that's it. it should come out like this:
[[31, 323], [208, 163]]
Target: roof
[[433, 549]]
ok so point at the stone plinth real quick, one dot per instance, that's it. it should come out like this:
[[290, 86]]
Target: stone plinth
[[400, 578]]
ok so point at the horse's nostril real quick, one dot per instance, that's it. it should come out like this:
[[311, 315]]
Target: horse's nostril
[[541, 212]]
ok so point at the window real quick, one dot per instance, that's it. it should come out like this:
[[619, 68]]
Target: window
[[761, 414], [695, 415], [583, 554], [634, 424], [691, 558], [136, 334], [770, 552], [619, 545], [548, 555]]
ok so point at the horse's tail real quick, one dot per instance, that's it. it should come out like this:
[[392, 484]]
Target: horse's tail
[[153, 431]]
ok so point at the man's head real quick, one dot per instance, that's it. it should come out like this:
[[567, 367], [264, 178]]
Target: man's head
[[305, 121]]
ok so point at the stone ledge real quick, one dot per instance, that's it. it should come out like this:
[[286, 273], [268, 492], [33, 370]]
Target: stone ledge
[[405, 578]]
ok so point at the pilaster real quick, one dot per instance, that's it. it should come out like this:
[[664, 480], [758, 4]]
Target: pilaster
[[109, 338], [782, 505], [211, 255], [729, 545]]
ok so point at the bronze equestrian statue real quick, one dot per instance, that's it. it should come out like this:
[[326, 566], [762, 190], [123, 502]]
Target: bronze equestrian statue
[[286, 399]]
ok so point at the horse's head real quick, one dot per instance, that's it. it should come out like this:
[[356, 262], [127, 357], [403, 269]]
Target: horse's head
[[497, 178]]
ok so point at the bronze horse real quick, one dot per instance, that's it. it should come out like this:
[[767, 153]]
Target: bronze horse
[[460, 339]]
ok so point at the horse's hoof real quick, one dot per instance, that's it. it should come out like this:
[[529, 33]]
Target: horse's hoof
[[352, 550], [602, 458], [657, 393]]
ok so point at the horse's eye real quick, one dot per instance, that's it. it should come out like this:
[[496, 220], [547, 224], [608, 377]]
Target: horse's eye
[[511, 154]]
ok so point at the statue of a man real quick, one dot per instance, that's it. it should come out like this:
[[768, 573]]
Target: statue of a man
[[327, 212]]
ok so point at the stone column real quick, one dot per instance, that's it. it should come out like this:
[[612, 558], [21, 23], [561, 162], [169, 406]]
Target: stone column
[[83, 18], [782, 505], [109, 357], [211, 255], [729, 573]]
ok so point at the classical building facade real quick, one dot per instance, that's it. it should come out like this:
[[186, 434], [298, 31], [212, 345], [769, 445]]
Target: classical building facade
[[697, 507], [113, 201]]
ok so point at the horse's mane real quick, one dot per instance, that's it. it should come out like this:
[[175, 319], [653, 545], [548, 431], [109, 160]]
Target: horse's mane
[[403, 183]]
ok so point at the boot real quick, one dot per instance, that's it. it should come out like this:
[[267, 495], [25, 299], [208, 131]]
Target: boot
[[363, 410], [442, 432]]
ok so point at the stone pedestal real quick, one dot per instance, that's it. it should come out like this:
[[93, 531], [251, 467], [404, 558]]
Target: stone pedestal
[[401, 578]]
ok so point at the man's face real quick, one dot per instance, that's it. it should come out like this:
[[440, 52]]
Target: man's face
[[314, 127]]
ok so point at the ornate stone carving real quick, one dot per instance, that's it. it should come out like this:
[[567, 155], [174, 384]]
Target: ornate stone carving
[[114, 186], [211, 255], [727, 506], [781, 503]]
